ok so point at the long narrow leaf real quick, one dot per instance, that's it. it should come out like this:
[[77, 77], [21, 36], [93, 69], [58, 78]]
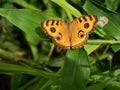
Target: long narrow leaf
[[76, 70]]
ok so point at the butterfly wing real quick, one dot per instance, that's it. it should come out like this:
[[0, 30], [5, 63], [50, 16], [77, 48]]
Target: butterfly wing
[[58, 31], [80, 29]]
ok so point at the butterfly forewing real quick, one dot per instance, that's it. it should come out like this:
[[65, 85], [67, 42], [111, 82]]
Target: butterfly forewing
[[49, 27], [86, 23]]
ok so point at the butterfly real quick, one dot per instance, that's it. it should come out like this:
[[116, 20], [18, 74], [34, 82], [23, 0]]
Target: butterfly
[[70, 35]]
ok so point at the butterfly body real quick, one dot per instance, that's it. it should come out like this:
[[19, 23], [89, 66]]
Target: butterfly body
[[70, 35]]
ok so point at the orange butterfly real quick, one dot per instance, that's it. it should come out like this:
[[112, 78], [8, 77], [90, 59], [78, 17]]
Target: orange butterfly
[[70, 35]]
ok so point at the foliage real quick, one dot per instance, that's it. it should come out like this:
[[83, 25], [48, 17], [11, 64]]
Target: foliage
[[31, 61]]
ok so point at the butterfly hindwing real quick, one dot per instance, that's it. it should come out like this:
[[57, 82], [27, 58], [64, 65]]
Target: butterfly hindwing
[[78, 37]]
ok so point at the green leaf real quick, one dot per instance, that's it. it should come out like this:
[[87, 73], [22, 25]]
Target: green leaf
[[24, 4], [26, 20], [100, 86], [116, 47], [116, 72], [112, 5], [91, 47], [67, 7], [16, 81], [114, 85], [41, 34], [113, 27], [6, 67], [76, 70], [9, 54]]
